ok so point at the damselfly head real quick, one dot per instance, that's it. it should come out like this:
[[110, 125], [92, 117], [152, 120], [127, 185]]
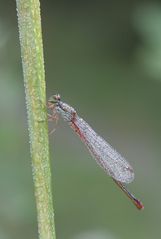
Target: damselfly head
[[54, 99]]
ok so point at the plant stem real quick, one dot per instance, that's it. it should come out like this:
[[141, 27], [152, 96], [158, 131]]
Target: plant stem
[[29, 22]]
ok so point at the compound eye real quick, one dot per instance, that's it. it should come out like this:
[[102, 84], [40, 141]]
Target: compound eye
[[57, 97], [54, 99]]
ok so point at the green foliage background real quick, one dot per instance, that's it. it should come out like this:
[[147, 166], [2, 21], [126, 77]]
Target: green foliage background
[[104, 58]]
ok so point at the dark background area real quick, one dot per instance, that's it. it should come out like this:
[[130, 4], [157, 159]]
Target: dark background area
[[104, 58]]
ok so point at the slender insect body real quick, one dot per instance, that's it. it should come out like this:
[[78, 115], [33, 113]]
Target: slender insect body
[[108, 158]]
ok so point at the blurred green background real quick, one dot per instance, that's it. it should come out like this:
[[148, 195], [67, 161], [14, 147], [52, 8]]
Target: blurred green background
[[104, 58]]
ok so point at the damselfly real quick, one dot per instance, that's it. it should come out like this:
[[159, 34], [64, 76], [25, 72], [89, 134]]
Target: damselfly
[[107, 157]]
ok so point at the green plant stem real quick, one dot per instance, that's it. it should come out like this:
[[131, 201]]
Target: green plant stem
[[29, 22]]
